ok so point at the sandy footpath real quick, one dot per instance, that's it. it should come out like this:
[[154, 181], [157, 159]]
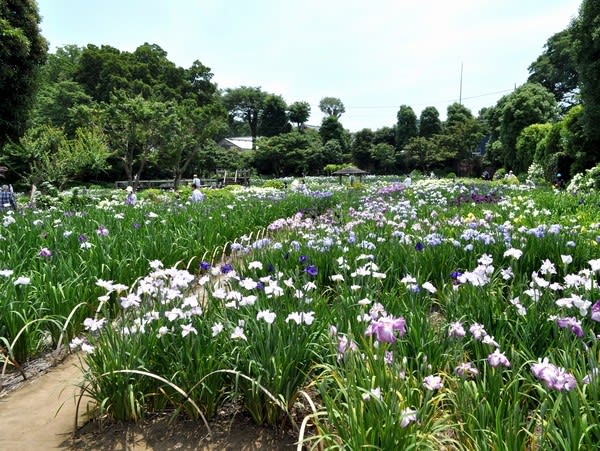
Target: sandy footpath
[[40, 414]]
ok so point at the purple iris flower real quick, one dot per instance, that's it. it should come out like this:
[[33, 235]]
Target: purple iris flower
[[82, 238], [596, 311], [419, 246], [554, 377], [572, 324], [204, 266], [302, 258], [45, 252], [226, 268], [385, 329], [311, 270]]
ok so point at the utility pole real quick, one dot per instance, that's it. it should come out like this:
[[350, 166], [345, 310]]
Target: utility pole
[[461, 77]]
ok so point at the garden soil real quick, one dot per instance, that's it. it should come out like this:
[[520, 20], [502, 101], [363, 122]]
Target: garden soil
[[39, 414]]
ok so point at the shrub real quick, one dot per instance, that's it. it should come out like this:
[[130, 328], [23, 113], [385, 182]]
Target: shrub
[[275, 183], [588, 182], [499, 174]]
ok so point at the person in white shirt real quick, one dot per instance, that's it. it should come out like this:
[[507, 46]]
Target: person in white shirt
[[196, 181], [197, 195]]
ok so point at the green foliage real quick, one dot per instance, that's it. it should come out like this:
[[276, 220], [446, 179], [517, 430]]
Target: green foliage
[[585, 182], [332, 106], [333, 152], [154, 195], [528, 142], [56, 105], [586, 36], [362, 143], [331, 128], [555, 68], [246, 103], [429, 122], [530, 103], [274, 183], [292, 153], [406, 126], [274, 118], [535, 174], [22, 52], [299, 112], [45, 154], [384, 158]]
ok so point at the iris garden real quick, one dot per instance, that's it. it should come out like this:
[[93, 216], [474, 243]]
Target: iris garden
[[455, 314]]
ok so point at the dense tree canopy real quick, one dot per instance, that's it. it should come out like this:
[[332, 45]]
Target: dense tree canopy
[[274, 118], [246, 103], [530, 103], [555, 68], [586, 31], [332, 106], [429, 122], [406, 126], [159, 119], [299, 112], [22, 52]]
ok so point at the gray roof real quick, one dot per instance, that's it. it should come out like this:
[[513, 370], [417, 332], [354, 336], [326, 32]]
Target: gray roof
[[240, 142], [350, 170]]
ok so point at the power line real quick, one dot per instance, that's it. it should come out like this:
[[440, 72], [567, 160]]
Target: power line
[[431, 102]]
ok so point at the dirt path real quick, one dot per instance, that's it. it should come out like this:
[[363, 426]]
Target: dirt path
[[39, 415]]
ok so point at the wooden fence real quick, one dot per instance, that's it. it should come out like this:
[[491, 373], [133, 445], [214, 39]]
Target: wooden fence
[[222, 178]]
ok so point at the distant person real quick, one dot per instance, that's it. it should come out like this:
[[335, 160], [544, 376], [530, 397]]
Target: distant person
[[131, 198], [559, 182], [485, 175], [407, 181], [196, 181], [7, 199], [197, 195]]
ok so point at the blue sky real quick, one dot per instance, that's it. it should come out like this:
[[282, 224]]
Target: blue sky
[[373, 55]]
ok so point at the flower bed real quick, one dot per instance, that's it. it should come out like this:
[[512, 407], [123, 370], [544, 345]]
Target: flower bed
[[397, 319]]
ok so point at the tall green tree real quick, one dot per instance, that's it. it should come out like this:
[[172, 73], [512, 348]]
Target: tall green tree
[[299, 112], [406, 126], [274, 118], [385, 135], [332, 152], [332, 106], [47, 155], [246, 103], [383, 157], [331, 128], [457, 113], [288, 154], [555, 68], [201, 86], [103, 70], [425, 154], [61, 65], [56, 105], [586, 32], [186, 130], [530, 103], [23, 51], [134, 129], [429, 122], [361, 147], [528, 144]]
